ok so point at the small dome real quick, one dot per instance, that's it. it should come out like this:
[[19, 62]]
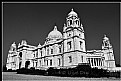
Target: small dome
[[72, 13], [105, 38], [39, 45], [23, 42], [19, 45], [55, 34], [14, 44]]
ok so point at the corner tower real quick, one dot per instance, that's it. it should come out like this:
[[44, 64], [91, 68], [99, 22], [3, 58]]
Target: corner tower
[[108, 53], [74, 40]]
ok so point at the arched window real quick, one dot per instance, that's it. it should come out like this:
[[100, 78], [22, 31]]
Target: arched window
[[13, 49], [51, 51], [47, 51], [76, 22], [47, 62], [50, 62], [20, 54], [81, 45], [70, 22], [59, 49], [41, 52], [27, 63], [59, 62], [106, 44], [40, 62], [70, 59], [82, 58], [69, 45]]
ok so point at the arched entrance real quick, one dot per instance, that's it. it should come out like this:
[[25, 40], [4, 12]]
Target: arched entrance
[[20, 55], [27, 63]]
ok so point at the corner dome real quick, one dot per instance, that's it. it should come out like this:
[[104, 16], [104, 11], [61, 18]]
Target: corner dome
[[14, 44], [39, 45], [55, 34], [105, 37], [72, 13]]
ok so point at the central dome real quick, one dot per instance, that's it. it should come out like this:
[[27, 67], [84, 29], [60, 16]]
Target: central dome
[[55, 34]]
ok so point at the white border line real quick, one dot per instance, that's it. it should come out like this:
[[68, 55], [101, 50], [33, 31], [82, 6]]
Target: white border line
[[120, 35], [61, 2], [2, 38]]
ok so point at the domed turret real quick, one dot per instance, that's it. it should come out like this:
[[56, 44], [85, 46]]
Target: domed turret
[[106, 43], [19, 45], [39, 45], [13, 45], [55, 34], [23, 42], [105, 37], [72, 13]]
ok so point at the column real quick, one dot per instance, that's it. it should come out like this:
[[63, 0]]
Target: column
[[90, 61], [96, 61], [93, 62], [101, 62]]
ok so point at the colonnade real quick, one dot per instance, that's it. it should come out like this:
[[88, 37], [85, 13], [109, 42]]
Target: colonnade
[[96, 61]]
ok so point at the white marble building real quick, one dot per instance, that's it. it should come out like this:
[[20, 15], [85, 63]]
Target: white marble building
[[61, 50]]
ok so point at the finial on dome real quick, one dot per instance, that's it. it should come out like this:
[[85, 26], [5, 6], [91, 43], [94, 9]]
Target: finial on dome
[[72, 9], [13, 42], [55, 27], [104, 35], [72, 13], [19, 44], [39, 45], [64, 25]]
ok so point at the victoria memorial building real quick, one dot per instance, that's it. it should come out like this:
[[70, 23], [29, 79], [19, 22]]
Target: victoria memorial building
[[62, 50]]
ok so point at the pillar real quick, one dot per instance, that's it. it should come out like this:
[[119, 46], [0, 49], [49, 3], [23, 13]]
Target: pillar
[[93, 61], [96, 62], [90, 61]]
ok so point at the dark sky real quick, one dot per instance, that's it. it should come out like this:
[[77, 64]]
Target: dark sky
[[33, 22]]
